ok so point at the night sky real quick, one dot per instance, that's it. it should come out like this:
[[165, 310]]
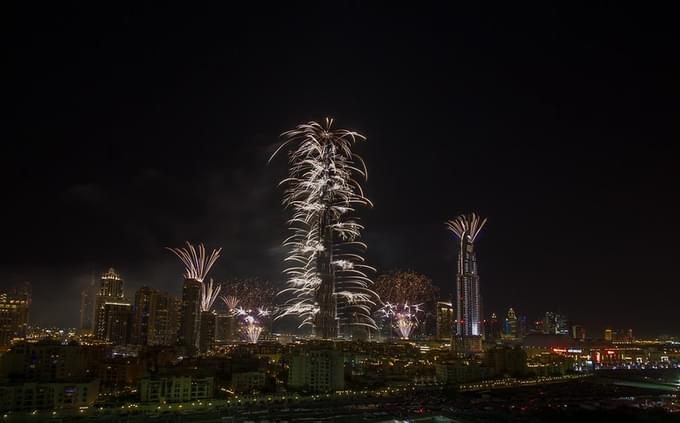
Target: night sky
[[134, 128]]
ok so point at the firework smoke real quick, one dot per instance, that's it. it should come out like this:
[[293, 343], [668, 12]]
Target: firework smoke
[[401, 287], [248, 294], [327, 280]]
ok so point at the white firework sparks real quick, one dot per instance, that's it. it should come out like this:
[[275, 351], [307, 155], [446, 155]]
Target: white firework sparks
[[251, 325], [231, 301], [403, 316], [466, 226], [196, 263], [209, 293], [328, 278]]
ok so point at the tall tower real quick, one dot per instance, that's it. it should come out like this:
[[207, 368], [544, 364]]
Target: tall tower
[[327, 277], [113, 313], [196, 294], [468, 304], [87, 305], [190, 315]]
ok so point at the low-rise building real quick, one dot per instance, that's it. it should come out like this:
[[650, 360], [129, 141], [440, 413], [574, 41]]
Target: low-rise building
[[48, 395], [317, 370], [247, 381], [176, 389]]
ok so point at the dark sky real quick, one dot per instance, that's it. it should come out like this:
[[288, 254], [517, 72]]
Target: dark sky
[[133, 128]]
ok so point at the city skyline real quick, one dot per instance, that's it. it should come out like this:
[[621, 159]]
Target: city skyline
[[561, 141]]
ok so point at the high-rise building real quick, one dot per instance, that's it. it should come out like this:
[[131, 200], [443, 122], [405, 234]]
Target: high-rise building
[[608, 335], [510, 327], [142, 324], [165, 310], [492, 328], [155, 320], [468, 321], [444, 320], [14, 308], [190, 315], [225, 327], [113, 312], [88, 298], [549, 323], [578, 332], [555, 324], [206, 338], [562, 324]]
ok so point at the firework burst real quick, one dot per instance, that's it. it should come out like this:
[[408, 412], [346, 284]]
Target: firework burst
[[251, 322], [466, 226], [209, 293], [249, 293], [196, 263], [402, 293], [327, 279], [404, 317]]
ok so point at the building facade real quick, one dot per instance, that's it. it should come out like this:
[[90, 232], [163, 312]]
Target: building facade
[[190, 315], [317, 370], [156, 318], [176, 389], [468, 298], [13, 317], [445, 320], [113, 312]]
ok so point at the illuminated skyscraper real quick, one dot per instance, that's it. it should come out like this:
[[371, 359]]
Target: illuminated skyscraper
[[468, 322], [14, 307], [155, 320], [510, 326], [113, 312]]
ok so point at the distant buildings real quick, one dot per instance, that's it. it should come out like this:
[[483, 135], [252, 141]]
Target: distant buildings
[[156, 318], [510, 325], [88, 298], [14, 308], [445, 320], [578, 332], [492, 328], [113, 312], [555, 324], [225, 327]]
